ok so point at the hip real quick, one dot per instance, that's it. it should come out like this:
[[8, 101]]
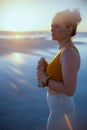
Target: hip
[[60, 102]]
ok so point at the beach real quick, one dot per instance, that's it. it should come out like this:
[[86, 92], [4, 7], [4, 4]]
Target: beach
[[23, 104]]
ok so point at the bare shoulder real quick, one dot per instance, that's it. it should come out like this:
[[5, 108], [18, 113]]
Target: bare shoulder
[[71, 55], [70, 52]]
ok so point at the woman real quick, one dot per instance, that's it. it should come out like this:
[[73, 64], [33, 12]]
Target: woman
[[61, 73]]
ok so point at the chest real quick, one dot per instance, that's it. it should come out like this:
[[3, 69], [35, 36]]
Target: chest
[[54, 68]]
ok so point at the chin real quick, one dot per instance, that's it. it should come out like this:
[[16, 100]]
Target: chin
[[54, 38]]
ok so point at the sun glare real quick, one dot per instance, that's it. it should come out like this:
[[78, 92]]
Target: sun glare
[[18, 36]]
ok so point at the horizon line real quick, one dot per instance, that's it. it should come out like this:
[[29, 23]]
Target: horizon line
[[32, 31]]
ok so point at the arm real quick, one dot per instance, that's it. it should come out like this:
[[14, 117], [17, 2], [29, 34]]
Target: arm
[[69, 72]]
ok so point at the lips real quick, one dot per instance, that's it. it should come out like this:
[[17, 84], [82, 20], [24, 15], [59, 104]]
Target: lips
[[53, 34]]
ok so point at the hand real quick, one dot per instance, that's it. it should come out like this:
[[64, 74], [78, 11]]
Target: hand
[[42, 63], [41, 75]]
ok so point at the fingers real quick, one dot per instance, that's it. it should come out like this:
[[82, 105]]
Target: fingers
[[40, 63], [38, 74]]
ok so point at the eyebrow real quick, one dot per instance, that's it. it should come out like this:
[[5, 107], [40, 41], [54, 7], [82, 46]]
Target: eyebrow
[[55, 25]]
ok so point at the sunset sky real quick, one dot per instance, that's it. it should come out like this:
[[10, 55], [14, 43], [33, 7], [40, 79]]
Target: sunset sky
[[36, 15]]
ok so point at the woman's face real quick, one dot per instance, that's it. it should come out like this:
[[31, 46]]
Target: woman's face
[[59, 31]]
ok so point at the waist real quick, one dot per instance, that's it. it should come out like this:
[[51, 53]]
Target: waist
[[58, 95], [51, 91], [59, 98]]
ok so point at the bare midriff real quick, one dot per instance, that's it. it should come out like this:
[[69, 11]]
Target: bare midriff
[[51, 91]]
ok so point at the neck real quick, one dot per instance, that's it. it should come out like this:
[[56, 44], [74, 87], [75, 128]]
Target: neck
[[64, 42]]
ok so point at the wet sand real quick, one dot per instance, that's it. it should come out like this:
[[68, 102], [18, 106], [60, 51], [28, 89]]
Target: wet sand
[[23, 105]]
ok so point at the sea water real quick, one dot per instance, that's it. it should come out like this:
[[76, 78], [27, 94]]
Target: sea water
[[15, 73]]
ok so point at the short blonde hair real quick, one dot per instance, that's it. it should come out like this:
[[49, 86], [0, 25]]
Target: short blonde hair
[[69, 18]]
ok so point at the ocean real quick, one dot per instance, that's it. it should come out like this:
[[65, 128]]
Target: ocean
[[80, 36], [22, 102]]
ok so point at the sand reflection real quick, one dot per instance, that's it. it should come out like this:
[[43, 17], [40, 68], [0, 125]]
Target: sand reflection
[[14, 86], [17, 58]]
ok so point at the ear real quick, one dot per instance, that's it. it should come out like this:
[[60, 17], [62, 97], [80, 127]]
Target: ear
[[70, 29]]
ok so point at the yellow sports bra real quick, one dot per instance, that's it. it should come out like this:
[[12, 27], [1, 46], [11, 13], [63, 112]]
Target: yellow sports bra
[[54, 67]]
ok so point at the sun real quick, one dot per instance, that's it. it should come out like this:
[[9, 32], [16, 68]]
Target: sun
[[18, 36]]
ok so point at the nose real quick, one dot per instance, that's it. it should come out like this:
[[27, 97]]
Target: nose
[[52, 29]]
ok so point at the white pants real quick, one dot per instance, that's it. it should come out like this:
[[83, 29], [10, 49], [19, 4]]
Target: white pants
[[62, 112]]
